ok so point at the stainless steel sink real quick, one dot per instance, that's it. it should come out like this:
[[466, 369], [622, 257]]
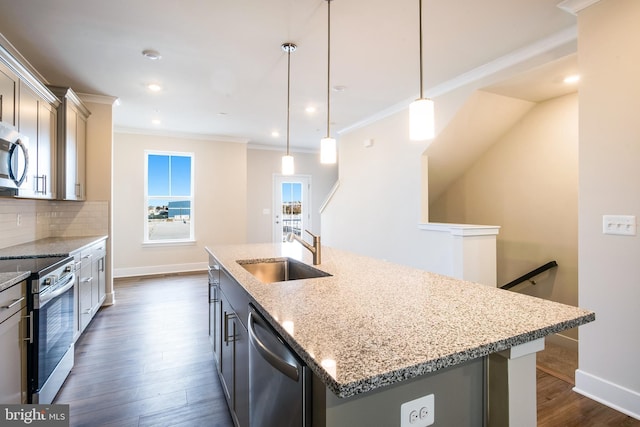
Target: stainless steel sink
[[280, 269]]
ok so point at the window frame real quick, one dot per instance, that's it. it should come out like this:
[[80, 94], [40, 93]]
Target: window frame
[[190, 198]]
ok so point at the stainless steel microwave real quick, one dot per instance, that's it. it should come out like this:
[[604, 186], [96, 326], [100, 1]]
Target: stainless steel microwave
[[14, 158]]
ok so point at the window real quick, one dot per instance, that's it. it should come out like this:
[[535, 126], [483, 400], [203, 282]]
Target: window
[[168, 197]]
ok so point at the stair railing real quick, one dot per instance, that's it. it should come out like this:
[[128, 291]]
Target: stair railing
[[530, 275]]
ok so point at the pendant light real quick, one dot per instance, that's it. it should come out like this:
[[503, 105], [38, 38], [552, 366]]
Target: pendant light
[[327, 144], [421, 111], [287, 160]]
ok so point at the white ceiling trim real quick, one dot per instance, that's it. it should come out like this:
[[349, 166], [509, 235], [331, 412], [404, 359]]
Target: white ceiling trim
[[184, 135], [575, 6], [516, 57], [293, 149], [97, 99]]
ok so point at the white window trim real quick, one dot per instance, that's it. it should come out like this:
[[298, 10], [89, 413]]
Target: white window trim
[[168, 242]]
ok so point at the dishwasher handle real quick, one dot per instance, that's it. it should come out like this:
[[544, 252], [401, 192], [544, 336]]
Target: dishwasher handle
[[281, 365]]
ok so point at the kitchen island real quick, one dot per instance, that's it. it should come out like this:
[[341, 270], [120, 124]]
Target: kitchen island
[[373, 327]]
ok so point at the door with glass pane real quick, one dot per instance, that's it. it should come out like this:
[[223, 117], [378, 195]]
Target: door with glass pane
[[291, 213]]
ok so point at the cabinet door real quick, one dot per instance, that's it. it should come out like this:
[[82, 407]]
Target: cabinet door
[[215, 322], [102, 280], [71, 156], [81, 141], [8, 86], [13, 356], [227, 348], [241, 363], [37, 122], [46, 150], [95, 286], [84, 294], [28, 126], [234, 363]]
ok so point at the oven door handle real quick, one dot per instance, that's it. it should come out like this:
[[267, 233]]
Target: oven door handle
[[44, 299]]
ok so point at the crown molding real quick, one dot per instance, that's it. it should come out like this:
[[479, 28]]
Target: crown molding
[[97, 99], [185, 135], [575, 6]]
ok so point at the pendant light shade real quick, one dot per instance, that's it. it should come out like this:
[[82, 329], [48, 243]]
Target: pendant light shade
[[421, 126], [328, 145], [328, 150], [287, 159], [421, 111], [287, 165]]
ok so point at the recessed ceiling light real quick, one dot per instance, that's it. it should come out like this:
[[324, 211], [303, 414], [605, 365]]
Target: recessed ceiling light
[[156, 121], [154, 87], [275, 134], [154, 55], [572, 79], [310, 109], [339, 88]]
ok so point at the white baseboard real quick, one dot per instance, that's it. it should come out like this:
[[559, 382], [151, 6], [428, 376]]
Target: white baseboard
[[159, 269], [613, 395]]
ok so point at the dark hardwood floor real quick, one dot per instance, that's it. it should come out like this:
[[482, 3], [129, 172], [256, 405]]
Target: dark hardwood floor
[[146, 361]]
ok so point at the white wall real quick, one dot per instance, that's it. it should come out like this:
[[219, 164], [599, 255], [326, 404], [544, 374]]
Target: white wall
[[220, 202], [527, 183], [261, 166], [609, 267], [377, 208]]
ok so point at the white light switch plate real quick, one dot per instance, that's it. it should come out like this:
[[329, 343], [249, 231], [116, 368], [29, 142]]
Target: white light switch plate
[[624, 225]]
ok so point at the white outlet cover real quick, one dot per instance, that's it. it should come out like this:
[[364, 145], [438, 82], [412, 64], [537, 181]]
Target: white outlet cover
[[406, 408]]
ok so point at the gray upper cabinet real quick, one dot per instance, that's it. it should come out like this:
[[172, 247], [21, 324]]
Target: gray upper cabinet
[[72, 140], [37, 121], [29, 106], [8, 90]]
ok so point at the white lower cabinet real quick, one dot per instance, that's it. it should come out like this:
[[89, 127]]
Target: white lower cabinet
[[13, 344], [90, 283]]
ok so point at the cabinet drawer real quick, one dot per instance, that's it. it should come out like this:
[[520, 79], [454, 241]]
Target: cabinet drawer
[[12, 300], [237, 296], [93, 252]]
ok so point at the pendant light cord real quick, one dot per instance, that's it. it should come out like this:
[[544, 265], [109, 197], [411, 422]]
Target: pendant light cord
[[288, 93], [420, 34], [328, 66]]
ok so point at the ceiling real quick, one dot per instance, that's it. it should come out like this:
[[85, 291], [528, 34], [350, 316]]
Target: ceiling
[[223, 72]]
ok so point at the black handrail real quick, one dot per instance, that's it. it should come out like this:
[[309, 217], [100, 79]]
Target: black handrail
[[530, 274]]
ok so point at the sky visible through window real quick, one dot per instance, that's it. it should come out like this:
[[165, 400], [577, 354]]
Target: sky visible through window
[[169, 176], [291, 192]]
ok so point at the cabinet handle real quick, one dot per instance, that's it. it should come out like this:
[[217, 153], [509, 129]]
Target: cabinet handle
[[37, 179], [227, 337], [1, 119], [87, 280], [29, 318], [13, 304]]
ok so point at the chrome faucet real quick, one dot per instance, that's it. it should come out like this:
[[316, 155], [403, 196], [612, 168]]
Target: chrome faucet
[[315, 249]]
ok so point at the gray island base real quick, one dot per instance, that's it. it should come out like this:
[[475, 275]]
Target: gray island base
[[379, 338]]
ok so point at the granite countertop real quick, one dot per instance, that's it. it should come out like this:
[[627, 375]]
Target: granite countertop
[[49, 247], [374, 323], [7, 280]]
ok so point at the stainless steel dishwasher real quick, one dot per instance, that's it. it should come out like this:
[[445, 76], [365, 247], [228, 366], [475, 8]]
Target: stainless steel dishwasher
[[279, 383]]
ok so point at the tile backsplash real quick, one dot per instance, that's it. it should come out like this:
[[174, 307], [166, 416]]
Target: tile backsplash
[[23, 221]]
